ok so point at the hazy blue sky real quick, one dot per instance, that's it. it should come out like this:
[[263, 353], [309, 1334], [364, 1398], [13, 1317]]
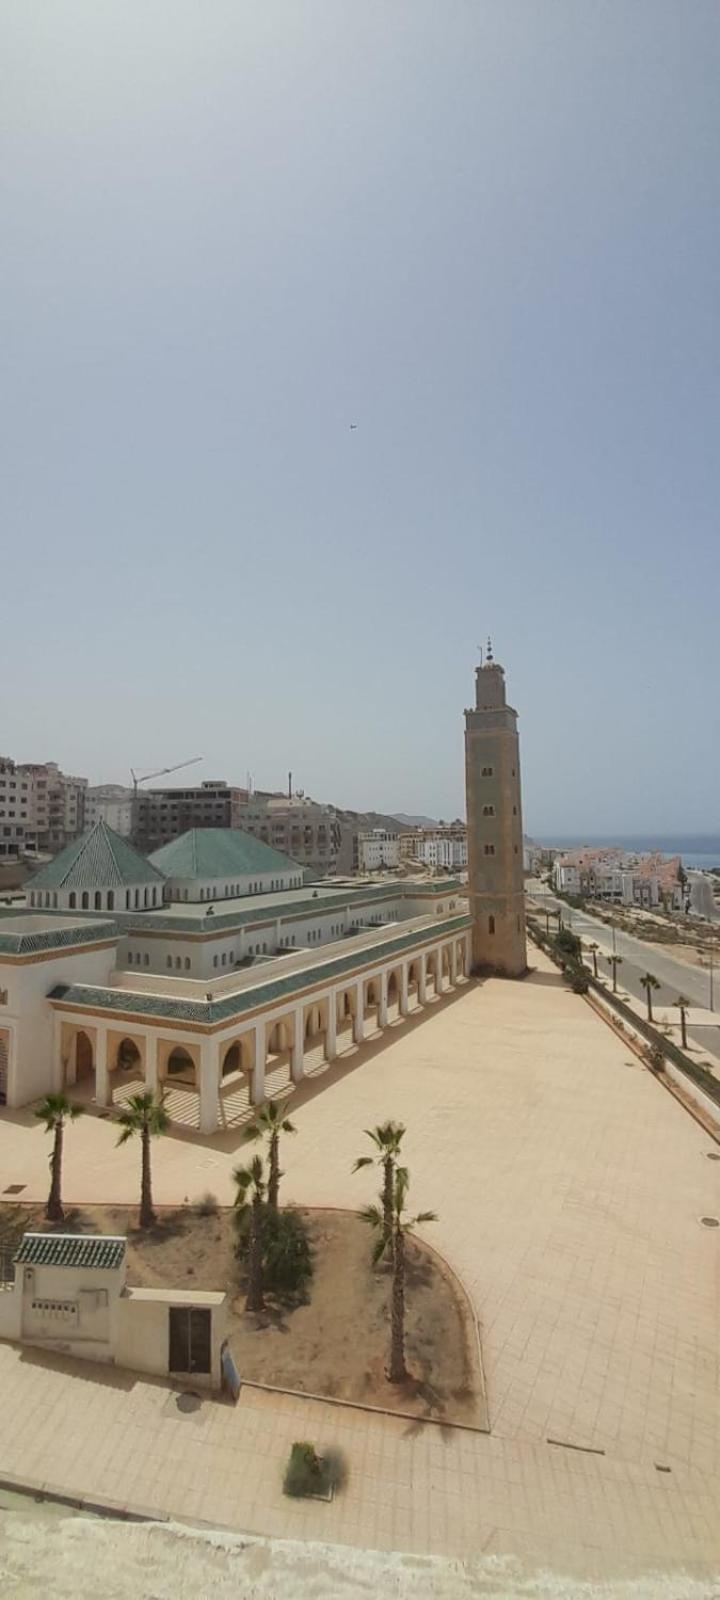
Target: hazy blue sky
[[487, 234]]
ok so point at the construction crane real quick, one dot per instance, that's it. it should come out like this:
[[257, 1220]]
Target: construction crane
[[162, 772], [145, 777]]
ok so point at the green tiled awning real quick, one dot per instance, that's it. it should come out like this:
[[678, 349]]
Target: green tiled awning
[[97, 1251]]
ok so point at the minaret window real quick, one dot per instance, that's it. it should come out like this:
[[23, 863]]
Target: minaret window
[[488, 811], [487, 772], [489, 849], [491, 924]]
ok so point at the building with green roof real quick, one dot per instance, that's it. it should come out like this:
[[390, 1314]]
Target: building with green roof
[[98, 872], [222, 864]]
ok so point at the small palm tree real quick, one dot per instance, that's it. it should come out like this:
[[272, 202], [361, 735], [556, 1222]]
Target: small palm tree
[[402, 1226], [614, 962], [683, 1005], [593, 948], [649, 983], [387, 1138], [55, 1110], [252, 1180], [147, 1116], [269, 1125]]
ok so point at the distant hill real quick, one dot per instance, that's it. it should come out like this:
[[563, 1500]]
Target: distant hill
[[414, 822]]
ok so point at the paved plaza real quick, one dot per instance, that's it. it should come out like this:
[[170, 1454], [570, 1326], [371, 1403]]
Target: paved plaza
[[569, 1186]]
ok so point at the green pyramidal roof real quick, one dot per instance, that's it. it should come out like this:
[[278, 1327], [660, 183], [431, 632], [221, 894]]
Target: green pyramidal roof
[[103, 1250], [219, 853], [100, 859]]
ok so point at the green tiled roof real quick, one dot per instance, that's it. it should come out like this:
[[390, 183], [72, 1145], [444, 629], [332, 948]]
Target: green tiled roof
[[104, 1251], [260, 909], [209, 853], [49, 938], [261, 994], [100, 859]]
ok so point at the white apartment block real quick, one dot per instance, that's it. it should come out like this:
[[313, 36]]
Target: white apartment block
[[377, 849], [112, 804]]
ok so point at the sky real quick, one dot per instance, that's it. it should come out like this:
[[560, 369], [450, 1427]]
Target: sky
[[487, 236]]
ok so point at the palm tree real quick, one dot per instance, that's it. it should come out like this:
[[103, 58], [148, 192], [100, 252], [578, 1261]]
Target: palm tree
[[649, 983], [247, 1179], [684, 1006], [402, 1226], [615, 962], [55, 1110], [593, 948], [269, 1125], [147, 1116], [387, 1138]]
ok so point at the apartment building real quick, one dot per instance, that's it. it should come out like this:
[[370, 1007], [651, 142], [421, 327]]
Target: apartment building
[[376, 849], [309, 833], [164, 814], [112, 804], [41, 808], [444, 847]]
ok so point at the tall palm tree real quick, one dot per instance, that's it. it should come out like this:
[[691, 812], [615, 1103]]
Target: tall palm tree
[[55, 1110], [402, 1226], [614, 962], [147, 1116], [269, 1124], [252, 1180], [649, 983], [593, 948], [387, 1138], [683, 1005]]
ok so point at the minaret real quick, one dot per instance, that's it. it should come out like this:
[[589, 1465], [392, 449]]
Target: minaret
[[494, 819]]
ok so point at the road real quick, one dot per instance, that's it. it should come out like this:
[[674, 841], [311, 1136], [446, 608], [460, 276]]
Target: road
[[675, 977]]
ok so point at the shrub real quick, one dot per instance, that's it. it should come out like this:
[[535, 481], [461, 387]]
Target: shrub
[[304, 1471], [655, 1058], [287, 1257], [580, 982], [567, 943], [207, 1205]]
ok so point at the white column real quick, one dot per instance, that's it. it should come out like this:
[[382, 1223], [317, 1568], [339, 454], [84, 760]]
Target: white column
[[151, 1063], [422, 980], [257, 1085], [331, 1030], [296, 1063], [454, 962], [102, 1079], [209, 1085], [383, 1006], [404, 1006], [58, 1071], [438, 971], [359, 1028]]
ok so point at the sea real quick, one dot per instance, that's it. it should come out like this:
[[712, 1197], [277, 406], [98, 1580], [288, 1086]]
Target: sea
[[700, 850]]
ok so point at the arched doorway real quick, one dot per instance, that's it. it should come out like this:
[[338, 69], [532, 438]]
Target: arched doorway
[[180, 1066], [84, 1058], [232, 1060], [128, 1057]]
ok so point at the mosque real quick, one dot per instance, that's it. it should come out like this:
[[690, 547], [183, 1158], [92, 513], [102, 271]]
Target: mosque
[[210, 970]]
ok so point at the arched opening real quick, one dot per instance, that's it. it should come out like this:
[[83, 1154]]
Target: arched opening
[[72, 900], [232, 1060], [98, 900], [491, 924], [128, 1057], [85, 900], [110, 900], [84, 1058], [180, 1065]]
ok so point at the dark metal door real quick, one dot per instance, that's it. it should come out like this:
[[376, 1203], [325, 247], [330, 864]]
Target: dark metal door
[[189, 1329]]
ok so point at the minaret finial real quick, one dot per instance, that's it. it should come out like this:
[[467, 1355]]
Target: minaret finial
[[489, 651]]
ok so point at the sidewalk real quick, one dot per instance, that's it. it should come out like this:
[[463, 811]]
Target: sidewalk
[[93, 1432]]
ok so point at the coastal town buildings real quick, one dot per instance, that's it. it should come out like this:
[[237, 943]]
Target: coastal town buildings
[[615, 875], [442, 847]]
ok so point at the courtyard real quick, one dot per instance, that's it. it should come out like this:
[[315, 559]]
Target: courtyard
[[569, 1187]]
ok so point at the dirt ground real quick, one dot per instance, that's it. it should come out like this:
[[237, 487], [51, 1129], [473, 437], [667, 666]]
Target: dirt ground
[[337, 1344]]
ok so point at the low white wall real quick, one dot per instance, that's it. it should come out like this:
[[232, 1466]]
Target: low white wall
[[10, 1313], [141, 1334]]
